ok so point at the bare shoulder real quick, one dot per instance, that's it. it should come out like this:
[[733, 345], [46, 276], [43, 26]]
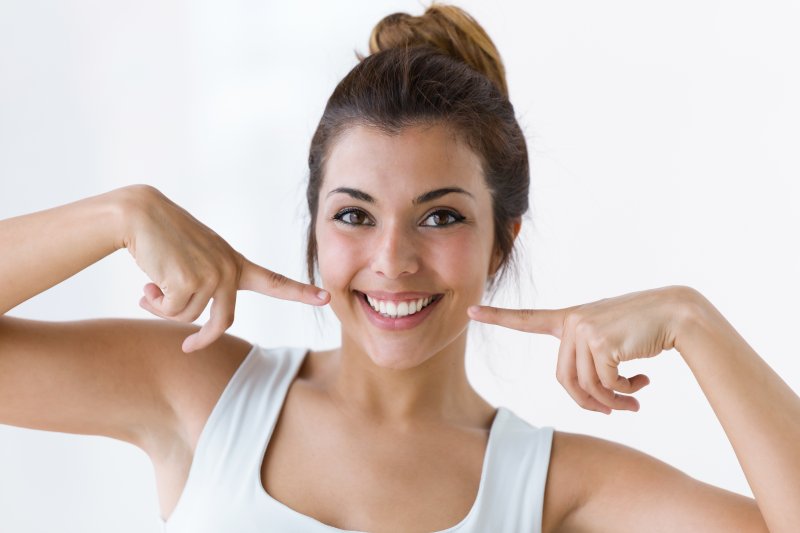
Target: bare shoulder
[[121, 378], [595, 485]]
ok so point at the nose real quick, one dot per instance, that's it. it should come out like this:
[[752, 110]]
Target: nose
[[395, 253]]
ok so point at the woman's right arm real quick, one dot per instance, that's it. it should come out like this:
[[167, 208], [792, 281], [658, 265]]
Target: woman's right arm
[[43, 249], [125, 379]]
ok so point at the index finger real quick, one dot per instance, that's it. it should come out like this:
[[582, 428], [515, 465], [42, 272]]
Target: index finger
[[259, 279], [548, 321]]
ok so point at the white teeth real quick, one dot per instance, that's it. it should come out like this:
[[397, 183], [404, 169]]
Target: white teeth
[[398, 309], [402, 309]]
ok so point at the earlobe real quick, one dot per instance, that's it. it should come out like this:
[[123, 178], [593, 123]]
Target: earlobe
[[517, 225]]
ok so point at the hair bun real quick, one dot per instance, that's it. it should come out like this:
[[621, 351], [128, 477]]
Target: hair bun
[[447, 28]]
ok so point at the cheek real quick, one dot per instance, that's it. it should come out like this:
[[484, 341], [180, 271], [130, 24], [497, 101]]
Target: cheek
[[461, 260], [339, 257]]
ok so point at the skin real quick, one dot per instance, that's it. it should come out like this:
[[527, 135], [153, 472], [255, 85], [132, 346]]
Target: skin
[[393, 245], [394, 401], [387, 405], [619, 489]]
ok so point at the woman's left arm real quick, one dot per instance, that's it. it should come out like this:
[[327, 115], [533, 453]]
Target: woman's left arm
[[758, 411]]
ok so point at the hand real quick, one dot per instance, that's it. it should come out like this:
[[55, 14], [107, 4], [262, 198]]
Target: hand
[[190, 265], [598, 336]]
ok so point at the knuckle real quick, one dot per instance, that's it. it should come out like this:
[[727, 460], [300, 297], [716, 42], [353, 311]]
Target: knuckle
[[598, 343], [598, 390], [585, 383], [603, 393], [586, 329], [276, 280], [606, 382], [574, 390], [184, 281], [572, 320], [615, 354], [584, 402], [173, 310], [213, 278], [228, 270]]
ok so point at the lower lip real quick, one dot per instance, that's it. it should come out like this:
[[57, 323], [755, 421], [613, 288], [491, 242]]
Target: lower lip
[[395, 324]]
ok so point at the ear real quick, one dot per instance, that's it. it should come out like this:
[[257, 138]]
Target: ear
[[497, 257]]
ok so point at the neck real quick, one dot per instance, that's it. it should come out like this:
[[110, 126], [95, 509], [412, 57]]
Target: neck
[[435, 390]]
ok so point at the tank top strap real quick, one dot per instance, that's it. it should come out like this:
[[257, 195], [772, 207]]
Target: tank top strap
[[230, 449], [516, 475]]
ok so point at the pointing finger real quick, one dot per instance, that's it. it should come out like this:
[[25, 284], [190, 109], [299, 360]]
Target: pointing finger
[[548, 321], [259, 279]]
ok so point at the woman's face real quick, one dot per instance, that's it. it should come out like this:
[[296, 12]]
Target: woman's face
[[404, 224]]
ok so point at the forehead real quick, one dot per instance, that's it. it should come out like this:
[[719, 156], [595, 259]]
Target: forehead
[[419, 157]]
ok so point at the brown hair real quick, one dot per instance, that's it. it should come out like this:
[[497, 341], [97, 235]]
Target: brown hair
[[437, 68]]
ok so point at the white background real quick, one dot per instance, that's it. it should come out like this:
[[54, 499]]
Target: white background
[[663, 139]]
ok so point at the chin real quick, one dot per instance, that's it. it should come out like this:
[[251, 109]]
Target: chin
[[396, 360]]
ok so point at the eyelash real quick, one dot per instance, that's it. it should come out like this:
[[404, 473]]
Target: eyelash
[[457, 218]]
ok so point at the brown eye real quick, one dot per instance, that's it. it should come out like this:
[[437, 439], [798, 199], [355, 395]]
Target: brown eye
[[443, 217], [352, 217]]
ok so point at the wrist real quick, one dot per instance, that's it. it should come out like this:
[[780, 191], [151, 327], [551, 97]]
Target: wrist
[[694, 321], [128, 203]]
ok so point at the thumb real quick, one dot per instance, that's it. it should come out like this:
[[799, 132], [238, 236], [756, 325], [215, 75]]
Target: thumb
[[547, 321], [259, 279]]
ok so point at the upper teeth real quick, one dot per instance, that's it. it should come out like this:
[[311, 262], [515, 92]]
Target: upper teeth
[[398, 309]]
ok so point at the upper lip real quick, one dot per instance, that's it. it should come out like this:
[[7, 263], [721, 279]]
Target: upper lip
[[397, 296]]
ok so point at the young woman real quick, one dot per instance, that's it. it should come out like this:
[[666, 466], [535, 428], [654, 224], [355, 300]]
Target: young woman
[[418, 182]]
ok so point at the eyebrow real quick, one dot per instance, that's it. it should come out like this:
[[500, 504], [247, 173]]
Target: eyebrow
[[421, 199]]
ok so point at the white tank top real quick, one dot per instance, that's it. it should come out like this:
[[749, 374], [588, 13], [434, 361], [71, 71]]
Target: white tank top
[[223, 492]]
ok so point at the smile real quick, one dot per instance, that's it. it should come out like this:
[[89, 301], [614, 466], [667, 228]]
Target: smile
[[394, 313]]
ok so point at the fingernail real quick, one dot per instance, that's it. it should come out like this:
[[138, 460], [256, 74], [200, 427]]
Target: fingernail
[[322, 295], [473, 309]]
